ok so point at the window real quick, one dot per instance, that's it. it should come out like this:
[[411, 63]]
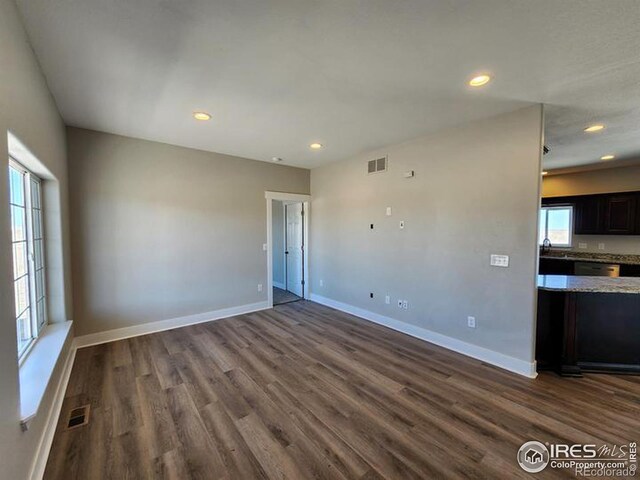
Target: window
[[25, 195], [556, 224]]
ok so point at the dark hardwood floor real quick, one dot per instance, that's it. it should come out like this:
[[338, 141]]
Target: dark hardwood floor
[[280, 296], [303, 391]]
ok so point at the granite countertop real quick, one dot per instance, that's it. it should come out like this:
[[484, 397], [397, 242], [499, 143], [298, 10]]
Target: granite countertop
[[585, 284], [593, 257]]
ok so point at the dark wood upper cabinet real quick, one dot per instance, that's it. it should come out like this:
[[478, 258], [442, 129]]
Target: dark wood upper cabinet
[[589, 215], [603, 214], [620, 214]]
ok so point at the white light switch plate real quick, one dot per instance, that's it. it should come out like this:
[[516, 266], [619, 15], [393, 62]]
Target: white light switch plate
[[264, 247], [499, 260], [582, 245], [388, 211], [601, 246]]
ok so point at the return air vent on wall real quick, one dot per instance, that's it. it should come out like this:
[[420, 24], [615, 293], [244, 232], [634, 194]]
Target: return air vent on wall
[[78, 417], [377, 165]]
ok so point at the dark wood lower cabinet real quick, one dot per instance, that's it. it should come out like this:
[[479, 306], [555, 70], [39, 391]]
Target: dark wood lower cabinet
[[559, 266], [553, 266], [588, 332]]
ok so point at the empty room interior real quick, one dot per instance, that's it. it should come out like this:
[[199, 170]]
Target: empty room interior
[[319, 240]]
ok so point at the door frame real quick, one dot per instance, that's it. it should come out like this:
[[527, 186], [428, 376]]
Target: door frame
[[291, 197]]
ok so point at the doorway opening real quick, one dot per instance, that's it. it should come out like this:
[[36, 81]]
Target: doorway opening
[[287, 216], [288, 251]]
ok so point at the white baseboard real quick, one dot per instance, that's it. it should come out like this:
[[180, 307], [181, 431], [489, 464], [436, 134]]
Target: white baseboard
[[281, 286], [528, 369], [161, 325], [46, 440]]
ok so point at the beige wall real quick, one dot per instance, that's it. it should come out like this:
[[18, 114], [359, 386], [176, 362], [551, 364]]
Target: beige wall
[[475, 192], [160, 232], [29, 112], [622, 179]]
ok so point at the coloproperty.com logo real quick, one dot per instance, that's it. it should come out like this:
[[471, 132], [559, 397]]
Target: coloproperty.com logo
[[585, 460]]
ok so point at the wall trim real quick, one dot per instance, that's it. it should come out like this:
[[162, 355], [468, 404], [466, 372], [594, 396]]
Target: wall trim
[[293, 197], [512, 364], [161, 325], [51, 423]]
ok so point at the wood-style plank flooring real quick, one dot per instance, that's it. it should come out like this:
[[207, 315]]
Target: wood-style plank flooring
[[280, 296], [305, 392]]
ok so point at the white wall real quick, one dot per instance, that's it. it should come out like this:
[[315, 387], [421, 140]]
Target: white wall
[[278, 242], [29, 112], [623, 179], [160, 232], [475, 192]]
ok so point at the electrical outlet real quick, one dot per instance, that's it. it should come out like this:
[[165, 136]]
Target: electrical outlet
[[601, 246], [321, 283], [499, 260], [387, 299], [582, 245], [405, 305], [399, 303], [259, 287], [264, 247], [471, 322]]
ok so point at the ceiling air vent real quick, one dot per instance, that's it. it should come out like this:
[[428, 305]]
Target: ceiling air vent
[[377, 165]]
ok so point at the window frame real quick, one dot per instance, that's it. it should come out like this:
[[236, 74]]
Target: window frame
[[34, 226], [546, 209]]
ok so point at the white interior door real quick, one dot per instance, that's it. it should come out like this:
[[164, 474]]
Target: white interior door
[[294, 249]]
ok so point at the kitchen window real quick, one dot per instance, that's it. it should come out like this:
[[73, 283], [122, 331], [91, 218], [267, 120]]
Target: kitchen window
[[25, 200], [556, 224]]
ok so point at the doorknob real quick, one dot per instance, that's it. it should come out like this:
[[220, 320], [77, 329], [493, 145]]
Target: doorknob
[[286, 252]]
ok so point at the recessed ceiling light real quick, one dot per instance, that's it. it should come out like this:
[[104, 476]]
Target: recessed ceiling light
[[276, 159], [607, 157], [545, 172], [204, 116], [479, 80], [315, 146], [594, 128]]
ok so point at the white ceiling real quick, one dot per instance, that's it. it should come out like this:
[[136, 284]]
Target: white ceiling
[[352, 74]]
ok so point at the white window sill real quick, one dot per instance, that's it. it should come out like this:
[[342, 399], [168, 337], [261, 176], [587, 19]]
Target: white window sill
[[38, 367]]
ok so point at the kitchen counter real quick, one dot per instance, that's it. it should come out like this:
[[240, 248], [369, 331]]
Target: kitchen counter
[[571, 283], [588, 324], [592, 257]]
